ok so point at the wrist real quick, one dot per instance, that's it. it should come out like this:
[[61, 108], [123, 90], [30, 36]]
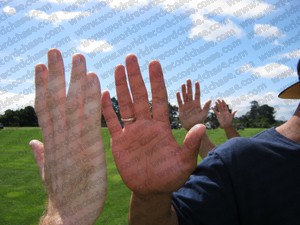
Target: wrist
[[50, 219], [229, 127], [54, 216], [156, 208], [231, 132], [56, 219], [146, 197]]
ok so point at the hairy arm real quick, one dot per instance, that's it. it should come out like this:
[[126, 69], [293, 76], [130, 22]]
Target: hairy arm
[[71, 160]]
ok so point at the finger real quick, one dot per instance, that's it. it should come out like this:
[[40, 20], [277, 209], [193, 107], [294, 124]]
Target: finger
[[92, 106], [189, 90], [91, 135], [233, 114], [191, 145], [160, 106], [206, 106], [226, 107], [138, 89], [38, 152], [223, 105], [56, 93], [56, 96], [197, 96], [123, 94], [40, 103], [214, 110], [76, 95], [179, 99], [197, 92], [184, 93], [111, 118], [219, 105]]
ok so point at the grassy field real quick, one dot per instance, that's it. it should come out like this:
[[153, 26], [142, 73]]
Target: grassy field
[[22, 196]]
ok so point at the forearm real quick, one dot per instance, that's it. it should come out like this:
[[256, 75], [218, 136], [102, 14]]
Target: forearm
[[152, 210], [206, 146], [231, 132]]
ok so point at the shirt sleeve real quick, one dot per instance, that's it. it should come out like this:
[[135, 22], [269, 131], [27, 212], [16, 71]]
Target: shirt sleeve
[[207, 198]]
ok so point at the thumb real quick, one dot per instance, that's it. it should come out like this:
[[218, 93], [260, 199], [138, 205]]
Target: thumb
[[191, 145], [38, 152], [233, 114], [206, 106]]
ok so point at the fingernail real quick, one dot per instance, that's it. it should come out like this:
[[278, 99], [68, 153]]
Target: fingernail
[[77, 59], [39, 68], [52, 56], [131, 58]]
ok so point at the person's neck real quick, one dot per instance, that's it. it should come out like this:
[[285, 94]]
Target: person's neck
[[291, 128]]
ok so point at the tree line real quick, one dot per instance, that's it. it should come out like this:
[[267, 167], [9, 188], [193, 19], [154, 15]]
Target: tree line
[[259, 116], [19, 118]]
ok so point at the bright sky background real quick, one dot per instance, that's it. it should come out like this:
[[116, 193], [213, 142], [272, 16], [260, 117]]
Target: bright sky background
[[239, 50]]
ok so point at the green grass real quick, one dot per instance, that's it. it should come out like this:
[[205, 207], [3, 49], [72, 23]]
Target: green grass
[[22, 196]]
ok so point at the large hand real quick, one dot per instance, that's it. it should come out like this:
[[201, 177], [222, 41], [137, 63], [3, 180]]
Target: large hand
[[72, 158], [190, 112], [147, 156], [224, 117]]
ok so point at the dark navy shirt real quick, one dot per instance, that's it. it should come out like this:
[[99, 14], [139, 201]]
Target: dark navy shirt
[[245, 181]]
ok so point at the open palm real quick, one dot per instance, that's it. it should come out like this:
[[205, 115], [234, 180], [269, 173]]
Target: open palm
[[72, 158], [190, 111], [147, 156], [224, 116]]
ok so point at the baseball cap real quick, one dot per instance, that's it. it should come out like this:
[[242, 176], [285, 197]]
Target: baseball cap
[[293, 91]]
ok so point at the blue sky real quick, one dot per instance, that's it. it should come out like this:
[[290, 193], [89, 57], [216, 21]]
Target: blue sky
[[239, 50]]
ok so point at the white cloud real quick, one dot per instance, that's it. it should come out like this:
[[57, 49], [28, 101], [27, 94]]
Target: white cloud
[[245, 68], [127, 4], [290, 55], [56, 17], [245, 9], [238, 8], [204, 26], [114, 4], [277, 43], [92, 45], [9, 10], [63, 1], [15, 101], [273, 70], [210, 29], [15, 81], [19, 58], [267, 31]]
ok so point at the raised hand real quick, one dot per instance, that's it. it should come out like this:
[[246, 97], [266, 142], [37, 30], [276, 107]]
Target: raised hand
[[146, 154], [72, 159], [224, 117], [190, 111]]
